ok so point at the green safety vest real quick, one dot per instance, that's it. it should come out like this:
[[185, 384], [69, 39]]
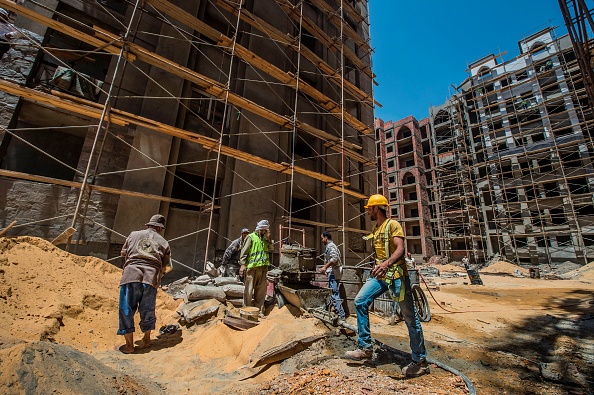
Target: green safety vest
[[258, 255], [395, 271]]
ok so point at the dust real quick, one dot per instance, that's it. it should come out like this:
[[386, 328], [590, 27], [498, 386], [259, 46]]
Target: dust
[[449, 268], [49, 294]]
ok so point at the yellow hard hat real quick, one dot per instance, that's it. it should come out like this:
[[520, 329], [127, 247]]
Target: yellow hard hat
[[377, 200]]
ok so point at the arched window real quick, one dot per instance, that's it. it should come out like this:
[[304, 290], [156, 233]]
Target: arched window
[[408, 178], [483, 72], [442, 117], [403, 133], [538, 46]]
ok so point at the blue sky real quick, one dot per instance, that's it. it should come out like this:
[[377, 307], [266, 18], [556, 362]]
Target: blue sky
[[423, 47]]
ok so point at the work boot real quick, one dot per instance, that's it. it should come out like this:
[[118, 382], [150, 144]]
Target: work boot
[[359, 354], [416, 369]]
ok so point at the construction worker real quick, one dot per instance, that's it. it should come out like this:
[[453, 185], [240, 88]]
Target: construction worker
[[333, 269], [254, 261], [410, 261], [465, 262], [230, 261], [388, 274], [147, 257]]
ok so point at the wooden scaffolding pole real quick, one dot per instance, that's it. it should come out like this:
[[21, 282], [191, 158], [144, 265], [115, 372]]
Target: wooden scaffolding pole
[[79, 106]]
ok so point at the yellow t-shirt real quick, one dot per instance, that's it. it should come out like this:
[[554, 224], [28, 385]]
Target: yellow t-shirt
[[379, 242]]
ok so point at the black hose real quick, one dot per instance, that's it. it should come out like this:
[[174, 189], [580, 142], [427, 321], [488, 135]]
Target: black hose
[[469, 385], [421, 303]]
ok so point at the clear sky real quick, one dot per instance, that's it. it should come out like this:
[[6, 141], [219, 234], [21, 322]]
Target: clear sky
[[422, 47]]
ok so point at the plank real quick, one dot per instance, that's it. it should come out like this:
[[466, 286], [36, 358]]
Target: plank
[[10, 225], [206, 142]]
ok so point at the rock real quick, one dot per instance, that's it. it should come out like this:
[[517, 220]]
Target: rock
[[552, 371]]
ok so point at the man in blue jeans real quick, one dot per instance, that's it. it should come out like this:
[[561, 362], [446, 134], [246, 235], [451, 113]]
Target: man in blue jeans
[[333, 269], [388, 274], [146, 259]]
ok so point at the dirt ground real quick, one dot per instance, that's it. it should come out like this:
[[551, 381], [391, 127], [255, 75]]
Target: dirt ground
[[58, 319]]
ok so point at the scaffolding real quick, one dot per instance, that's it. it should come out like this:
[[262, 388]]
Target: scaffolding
[[222, 111], [514, 153]]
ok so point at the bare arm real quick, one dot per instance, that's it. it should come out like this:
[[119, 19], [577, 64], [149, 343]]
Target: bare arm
[[245, 250]]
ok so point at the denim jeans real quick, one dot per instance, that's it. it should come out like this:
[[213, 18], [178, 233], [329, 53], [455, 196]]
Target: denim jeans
[[372, 289], [335, 297], [141, 297]]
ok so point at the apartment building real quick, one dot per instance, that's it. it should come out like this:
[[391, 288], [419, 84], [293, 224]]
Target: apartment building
[[511, 160], [405, 178]]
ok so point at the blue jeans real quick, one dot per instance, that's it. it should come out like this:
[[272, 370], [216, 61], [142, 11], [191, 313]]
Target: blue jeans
[[335, 297], [372, 289], [141, 297]]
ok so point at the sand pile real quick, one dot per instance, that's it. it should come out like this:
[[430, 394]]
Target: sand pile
[[47, 293], [230, 349], [44, 367], [585, 273], [449, 268], [503, 267]]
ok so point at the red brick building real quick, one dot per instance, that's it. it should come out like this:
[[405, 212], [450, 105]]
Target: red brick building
[[405, 176]]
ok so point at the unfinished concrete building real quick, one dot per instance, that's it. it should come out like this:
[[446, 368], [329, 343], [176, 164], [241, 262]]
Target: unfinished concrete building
[[404, 150], [215, 113], [511, 161]]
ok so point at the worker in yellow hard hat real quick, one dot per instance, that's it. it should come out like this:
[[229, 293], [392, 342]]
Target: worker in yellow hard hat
[[388, 274]]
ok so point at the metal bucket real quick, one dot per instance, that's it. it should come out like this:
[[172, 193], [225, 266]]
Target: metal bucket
[[414, 276], [249, 313], [305, 296], [475, 277]]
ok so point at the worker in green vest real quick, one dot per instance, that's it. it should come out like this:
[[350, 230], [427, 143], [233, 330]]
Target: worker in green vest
[[255, 260]]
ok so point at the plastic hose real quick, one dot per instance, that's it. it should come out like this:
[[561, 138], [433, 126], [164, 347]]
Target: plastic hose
[[469, 385]]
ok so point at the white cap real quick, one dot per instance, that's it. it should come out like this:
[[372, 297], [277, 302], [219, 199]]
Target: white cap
[[263, 225]]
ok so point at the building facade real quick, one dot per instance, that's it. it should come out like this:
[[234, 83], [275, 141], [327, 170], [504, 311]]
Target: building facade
[[512, 160], [405, 178], [215, 114]]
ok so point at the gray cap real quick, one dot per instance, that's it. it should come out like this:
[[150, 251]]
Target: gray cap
[[245, 230], [157, 220]]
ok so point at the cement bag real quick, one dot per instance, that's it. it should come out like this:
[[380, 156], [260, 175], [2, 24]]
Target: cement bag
[[200, 292], [220, 281], [202, 280], [198, 312], [200, 315], [178, 282], [233, 290]]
